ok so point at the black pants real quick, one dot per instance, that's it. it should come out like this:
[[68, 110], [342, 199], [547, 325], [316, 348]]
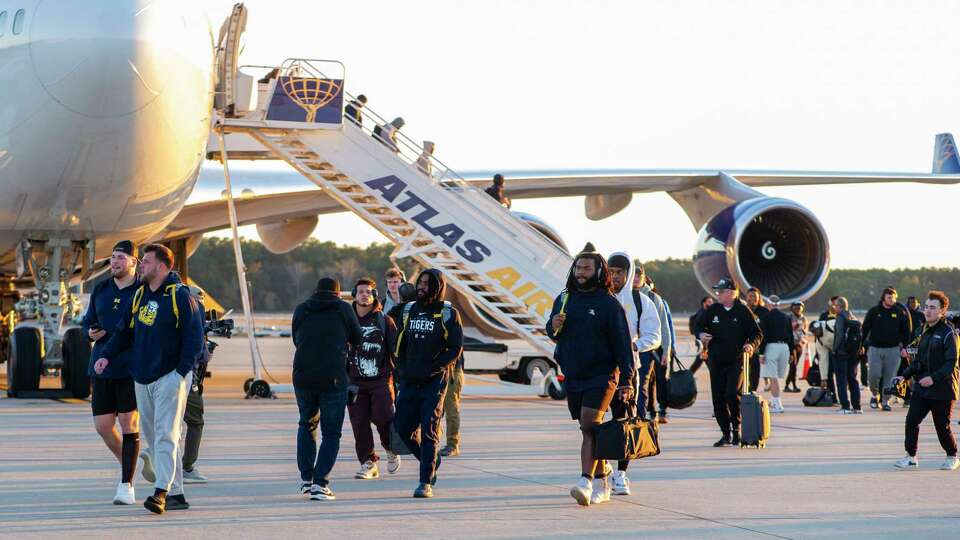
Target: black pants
[[193, 417], [792, 372], [421, 405], [754, 372], [845, 369], [941, 409], [658, 389], [726, 380]]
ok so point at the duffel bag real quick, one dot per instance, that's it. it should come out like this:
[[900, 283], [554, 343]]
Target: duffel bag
[[681, 386], [629, 438]]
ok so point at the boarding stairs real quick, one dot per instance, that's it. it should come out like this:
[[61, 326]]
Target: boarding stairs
[[510, 270]]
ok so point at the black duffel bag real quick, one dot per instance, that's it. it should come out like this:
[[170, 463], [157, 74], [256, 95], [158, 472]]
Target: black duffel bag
[[818, 397], [626, 438], [681, 386], [814, 377]]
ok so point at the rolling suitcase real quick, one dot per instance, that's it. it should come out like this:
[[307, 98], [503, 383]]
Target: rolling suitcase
[[754, 414]]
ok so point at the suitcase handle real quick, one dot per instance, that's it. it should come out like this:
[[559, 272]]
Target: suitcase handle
[[746, 374]]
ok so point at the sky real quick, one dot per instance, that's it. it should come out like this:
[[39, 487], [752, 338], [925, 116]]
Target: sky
[[803, 85]]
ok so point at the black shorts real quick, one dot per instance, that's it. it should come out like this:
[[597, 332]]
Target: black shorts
[[113, 396], [598, 397]]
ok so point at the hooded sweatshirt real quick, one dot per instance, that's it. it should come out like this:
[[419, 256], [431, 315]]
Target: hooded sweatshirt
[[322, 326], [666, 344], [108, 304], [372, 360], [428, 345], [162, 330], [645, 329]]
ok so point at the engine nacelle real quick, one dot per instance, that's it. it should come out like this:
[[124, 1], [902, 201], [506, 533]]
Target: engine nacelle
[[283, 236], [472, 314], [774, 244]]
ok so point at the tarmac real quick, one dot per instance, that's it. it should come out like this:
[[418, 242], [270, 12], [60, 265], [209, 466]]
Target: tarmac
[[822, 475]]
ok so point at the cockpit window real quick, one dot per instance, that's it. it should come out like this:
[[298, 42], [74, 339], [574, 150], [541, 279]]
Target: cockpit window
[[18, 21], [3, 22]]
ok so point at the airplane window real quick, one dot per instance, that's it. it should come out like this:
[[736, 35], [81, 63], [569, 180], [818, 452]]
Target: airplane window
[[18, 21], [3, 22]]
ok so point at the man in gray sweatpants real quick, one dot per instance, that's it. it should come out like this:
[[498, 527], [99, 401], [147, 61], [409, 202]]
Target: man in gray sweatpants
[[887, 331], [161, 327]]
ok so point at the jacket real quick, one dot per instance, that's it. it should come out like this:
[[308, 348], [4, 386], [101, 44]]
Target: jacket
[[936, 358], [161, 329], [108, 304], [322, 327], [731, 330], [645, 327], [885, 327], [593, 345], [666, 344], [372, 360], [839, 331], [429, 342], [777, 327]]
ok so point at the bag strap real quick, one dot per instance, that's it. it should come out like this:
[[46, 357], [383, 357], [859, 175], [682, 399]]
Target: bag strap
[[675, 359]]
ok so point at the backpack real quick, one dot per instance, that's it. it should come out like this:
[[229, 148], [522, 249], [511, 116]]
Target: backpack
[[446, 313], [639, 303], [851, 336]]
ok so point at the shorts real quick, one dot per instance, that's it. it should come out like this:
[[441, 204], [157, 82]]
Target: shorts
[[113, 396], [776, 361], [598, 397]]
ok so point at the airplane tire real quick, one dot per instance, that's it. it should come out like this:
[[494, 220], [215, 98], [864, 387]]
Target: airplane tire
[[23, 366], [76, 360]]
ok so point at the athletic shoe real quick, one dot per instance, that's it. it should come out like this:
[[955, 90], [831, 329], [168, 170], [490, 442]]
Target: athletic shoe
[[368, 471], [724, 441], [147, 470], [887, 407], [777, 409], [857, 411], [621, 484], [583, 491], [874, 404], [305, 487], [450, 451], [124, 494], [321, 493], [950, 463], [393, 463], [194, 476], [423, 491], [601, 491], [177, 502], [735, 438], [845, 411], [155, 504], [907, 462]]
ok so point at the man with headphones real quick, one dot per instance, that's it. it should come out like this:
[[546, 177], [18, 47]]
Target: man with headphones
[[370, 367], [594, 351], [394, 278]]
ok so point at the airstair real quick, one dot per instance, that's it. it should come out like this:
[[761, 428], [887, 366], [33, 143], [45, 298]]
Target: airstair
[[508, 269]]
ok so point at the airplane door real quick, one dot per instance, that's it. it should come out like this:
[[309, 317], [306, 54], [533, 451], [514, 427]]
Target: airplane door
[[228, 54]]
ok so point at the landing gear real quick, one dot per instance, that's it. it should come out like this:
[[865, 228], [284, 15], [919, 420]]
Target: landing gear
[[76, 357], [24, 363]]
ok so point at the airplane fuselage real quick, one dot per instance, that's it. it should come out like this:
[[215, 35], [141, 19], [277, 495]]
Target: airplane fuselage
[[104, 116]]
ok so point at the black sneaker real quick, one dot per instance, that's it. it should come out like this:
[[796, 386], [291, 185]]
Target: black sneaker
[[155, 504], [735, 439], [887, 407], [450, 451], [177, 502], [873, 403], [724, 441], [423, 491]]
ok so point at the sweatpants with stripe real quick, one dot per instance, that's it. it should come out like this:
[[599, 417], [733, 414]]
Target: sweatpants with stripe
[[161, 405]]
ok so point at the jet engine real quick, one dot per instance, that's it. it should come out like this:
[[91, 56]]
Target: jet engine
[[774, 244], [283, 236]]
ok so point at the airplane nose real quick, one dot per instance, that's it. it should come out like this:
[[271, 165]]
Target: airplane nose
[[105, 58]]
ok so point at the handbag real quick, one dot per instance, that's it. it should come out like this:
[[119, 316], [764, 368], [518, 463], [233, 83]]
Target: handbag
[[626, 439], [814, 378], [681, 386]]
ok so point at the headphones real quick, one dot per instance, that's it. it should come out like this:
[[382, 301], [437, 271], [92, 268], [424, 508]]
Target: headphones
[[373, 291]]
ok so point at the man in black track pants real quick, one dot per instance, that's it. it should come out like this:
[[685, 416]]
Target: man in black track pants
[[729, 331]]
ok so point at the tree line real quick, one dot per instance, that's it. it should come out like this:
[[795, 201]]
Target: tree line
[[280, 282]]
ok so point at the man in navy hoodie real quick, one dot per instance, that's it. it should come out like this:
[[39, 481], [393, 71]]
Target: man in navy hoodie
[[162, 330], [596, 356], [430, 341]]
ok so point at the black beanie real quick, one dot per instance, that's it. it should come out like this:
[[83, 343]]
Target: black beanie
[[618, 261], [124, 246], [328, 284]]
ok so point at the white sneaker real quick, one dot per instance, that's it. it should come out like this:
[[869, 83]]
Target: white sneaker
[[583, 491], [776, 408], [844, 411], [950, 464], [321, 493], [621, 484], [601, 490], [907, 462], [147, 469], [368, 471], [393, 463], [124, 494], [194, 476]]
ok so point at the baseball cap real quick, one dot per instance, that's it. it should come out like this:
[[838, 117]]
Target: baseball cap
[[725, 283], [125, 246]]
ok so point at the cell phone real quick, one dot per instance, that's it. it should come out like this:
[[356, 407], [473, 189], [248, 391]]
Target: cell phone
[[96, 327]]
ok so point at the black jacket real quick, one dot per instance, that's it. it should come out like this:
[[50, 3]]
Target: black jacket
[[593, 345], [887, 327], [777, 327], [428, 344], [936, 358], [840, 332], [322, 327], [731, 330]]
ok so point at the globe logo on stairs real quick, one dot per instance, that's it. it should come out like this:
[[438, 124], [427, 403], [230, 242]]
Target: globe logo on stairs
[[310, 94]]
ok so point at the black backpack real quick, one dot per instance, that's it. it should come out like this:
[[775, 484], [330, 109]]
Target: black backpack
[[639, 303], [851, 336]]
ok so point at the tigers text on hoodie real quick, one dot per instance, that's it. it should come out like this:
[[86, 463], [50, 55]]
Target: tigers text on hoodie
[[428, 345], [162, 330]]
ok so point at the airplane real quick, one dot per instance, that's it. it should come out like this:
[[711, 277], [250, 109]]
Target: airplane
[[105, 119]]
